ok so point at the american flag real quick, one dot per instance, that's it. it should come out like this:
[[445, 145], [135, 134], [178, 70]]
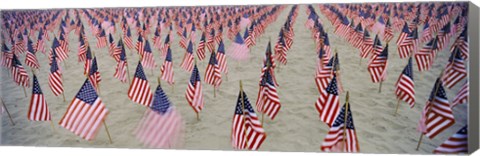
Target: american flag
[[39, 46], [437, 114], [121, 68], [157, 39], [377, 46], [462, 43], [101, 39], [188, 58], [405, 88], [19, 46], [342, 135], [462, 95], [38, 109], [82, 50], [367, 45], [247, 131], [161, 125], [248, 39], [31, 59], [201, 48], [268, 101], [219, 36], [55, 80], [328, 104], [194, 93], [377, 67], [455, 71], [358, 36], [139, 46], [324, 71], [184, 39], [94, 74], [85, 113], [139, 90], [167, 68], [59, 51], [63, 43], [457, 143], [444, 36], [20, 76], [388, 34], [111, 45], [426, 33], [127, 39], [192, 35], [212, 73], [211, 41], [7, 56], [221, 58], [425, 56], [88, 61], [166, 45], [281, 49], [404, 42], [238, 50], [148, 61]]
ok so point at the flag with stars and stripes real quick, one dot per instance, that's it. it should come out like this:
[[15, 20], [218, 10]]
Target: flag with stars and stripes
[[121, 68], [404, 42], [456, 144], [55, 80], [238, 50], [212, 73], [437, 115], [7, 56], [82, 49], [201, 48], [61, 55], [194, 94], [19, 74], [188, 58], [342, 136], [268, 101], [38, 109], [94, 74], [101, 39], [327, 104], [162, 125], [462, 95], [139, 90], [377, 67], [127, 39], [85, 113], [148, 61], [222, 58], [455, 71], [30, 58], [140, 45], [405, 88], [247, 130], [167, 68]]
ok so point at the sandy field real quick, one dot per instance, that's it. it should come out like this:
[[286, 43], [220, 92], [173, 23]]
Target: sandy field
[[296, 128]]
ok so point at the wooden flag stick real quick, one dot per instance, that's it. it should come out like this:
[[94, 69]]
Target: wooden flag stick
[[64, 100], [396, 110], [437, 86], [380, 87], [345, 119], [214, 92], [6, 110], [53, 127], [108, 133], [128, 74], [24, 91]]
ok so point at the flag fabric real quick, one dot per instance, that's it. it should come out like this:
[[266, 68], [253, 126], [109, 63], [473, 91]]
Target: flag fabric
[[194, 93], [201, 48], [85, 113], [111, 45], [221, 57], [327, 104], [127, 39], [88, 61], [162, 125], [388, 33], [39, 45], [462, 95], [167, 68], [19, 74], [456, 144], [121, 68], [19, 46], [377, 67], [30, 58], [140, 45], [268, 101], [455, 71], [101, 39], [404, 42], [281, 49], [210, 41], [7, 56], [212, 73], [82, 50], [405, 88], [55, 80], [188, 58], [247, 130], [94, 74], [148, 61], [38, 109], [425, 56], [238, 50], [59, 51], [139, 90], [184, 39], [342, 136], [166, 45], [367, 47], [437, 114]]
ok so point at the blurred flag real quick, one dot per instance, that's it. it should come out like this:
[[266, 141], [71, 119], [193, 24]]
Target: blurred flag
[[167, 68], [247, 131], [377, 67], [238, 50], [30, 58], [455, 71], [148, 61], [212, 73], [188, 58], [38, 109], [456, 144], [201, 48], [221, 58], [20, 76], [462, 95], [121, 68], [55, 80], [194, 93]]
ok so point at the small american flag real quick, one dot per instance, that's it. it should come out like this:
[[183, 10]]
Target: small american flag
[[166, 45], [426, 33], [210, 41], [377, 67], [456, 144], [212, 73], [437, 114], [94, 74], [188, 58], [425, 56], [88, 61], [184, 39], [101, 39], [38, 109], [139, 90], [455, 71], [462, 95], [63, 43], [31, 59], [248, 38], [82, 50], [157, 39], [342, 135], [281, 49], [247, 131], [85, 113], [404, 88], [127, 39], [55, 80], [111, 45], [404, 42], [221, 58], [201, 48], [388, 34], [148, 61], [161, 126], [7, 56], [462, 43], [140, 45], [328, 104], [377, 46], [20, 76], [268, 101], [39, 46], [19, 46], [194, 93], [367, 45], [59, 51], [167, 68], [121, 68]]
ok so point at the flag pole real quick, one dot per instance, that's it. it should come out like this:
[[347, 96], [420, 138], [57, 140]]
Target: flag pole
[[24, 91], [243, 112], [437, 86], [396, 110], [6, 110], [53, 127], [108, 133], [345, 119]]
